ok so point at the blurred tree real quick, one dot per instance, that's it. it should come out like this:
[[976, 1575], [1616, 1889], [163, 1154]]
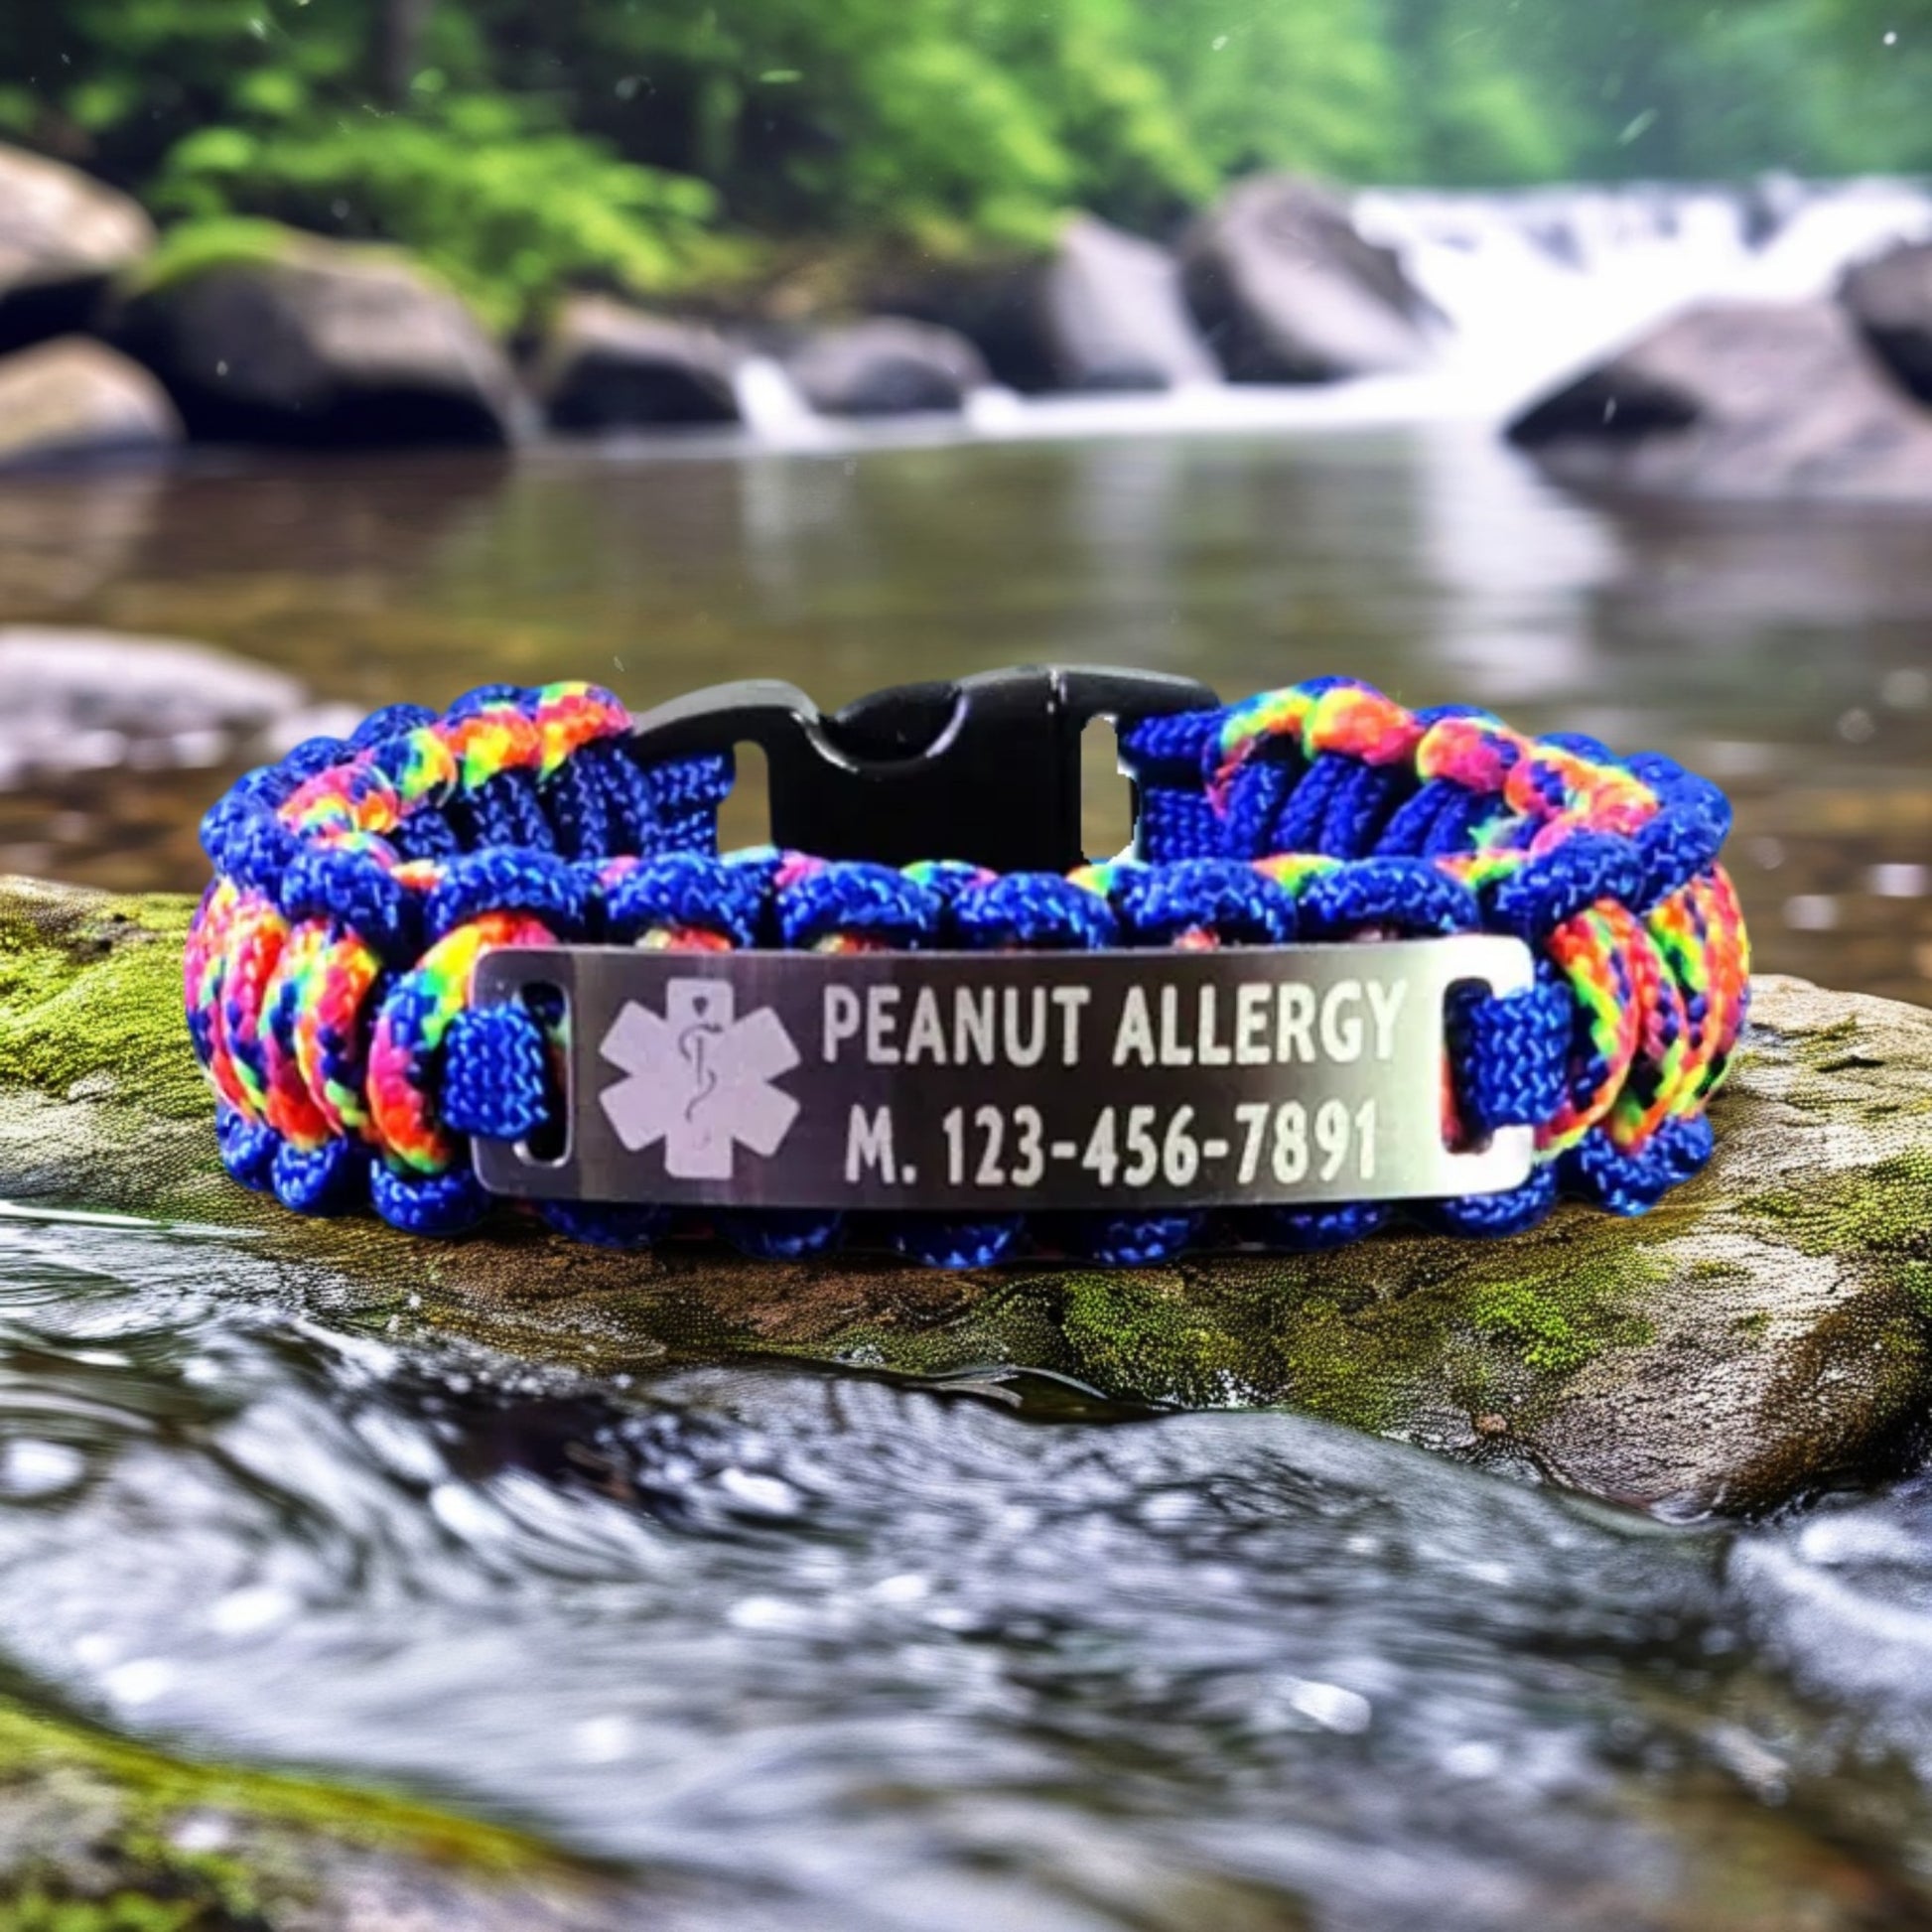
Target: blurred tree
[[1285, 84], [403, 22], [523, 144]]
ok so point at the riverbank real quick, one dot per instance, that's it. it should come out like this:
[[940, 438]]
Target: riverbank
[[1282, 303], [124, 341]]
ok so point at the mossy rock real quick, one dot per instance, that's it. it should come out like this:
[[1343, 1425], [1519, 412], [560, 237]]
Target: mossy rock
[[267, 335], [193, 248], [98, 1834], [1765, 1333]]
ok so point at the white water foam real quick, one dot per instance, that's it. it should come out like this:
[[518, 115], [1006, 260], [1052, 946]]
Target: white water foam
[[1532, 286], [773, 409], [1537, 284]]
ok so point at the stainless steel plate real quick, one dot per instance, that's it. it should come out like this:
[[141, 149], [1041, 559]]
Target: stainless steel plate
[[973, 1082]]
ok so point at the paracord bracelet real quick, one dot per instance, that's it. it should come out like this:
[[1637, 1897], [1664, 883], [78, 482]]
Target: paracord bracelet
[[358, 881]]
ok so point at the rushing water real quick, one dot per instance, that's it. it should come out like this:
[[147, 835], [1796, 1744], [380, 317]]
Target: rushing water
[[810, 1651]]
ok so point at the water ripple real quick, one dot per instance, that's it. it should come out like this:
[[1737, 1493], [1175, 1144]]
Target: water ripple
[[843, 1652]]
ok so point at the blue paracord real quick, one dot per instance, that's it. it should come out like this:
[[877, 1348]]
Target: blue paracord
[[604, 848]]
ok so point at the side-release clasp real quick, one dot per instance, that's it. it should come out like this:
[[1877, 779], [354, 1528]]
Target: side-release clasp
[[985, 769]]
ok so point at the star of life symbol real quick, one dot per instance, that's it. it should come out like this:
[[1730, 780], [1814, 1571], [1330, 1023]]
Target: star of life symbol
[[699, 1079]]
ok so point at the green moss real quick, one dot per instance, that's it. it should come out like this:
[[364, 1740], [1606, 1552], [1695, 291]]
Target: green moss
[[157, 1787], [194, 248], [1884, 1209], [1555, 1330], [1143, 1335], [95, 998], [1358, 1370], [1537, 1328], [133, 1870], [36, 1911], [1827, 1042], [1915, 1277], [1010, 1322]]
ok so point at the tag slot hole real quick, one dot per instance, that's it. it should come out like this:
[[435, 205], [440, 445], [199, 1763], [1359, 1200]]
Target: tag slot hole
[[1465, 1145], [1107, 801], [548, 1003], [745, 818]]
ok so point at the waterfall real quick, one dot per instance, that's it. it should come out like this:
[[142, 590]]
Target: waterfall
[[1536, 283], [1531, 286], [773, 409]]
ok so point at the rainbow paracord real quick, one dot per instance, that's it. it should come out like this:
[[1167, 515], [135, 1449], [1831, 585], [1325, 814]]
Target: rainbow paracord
[[357, 882]]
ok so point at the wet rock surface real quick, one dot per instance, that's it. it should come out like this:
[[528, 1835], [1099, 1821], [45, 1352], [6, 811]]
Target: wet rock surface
[[1287, 288], [1100, 310], [87, 700], [72, 399], [286, 337], [91, 1827], [994, 304], [606, 366], [1114, 315], [887, 366], [1760, 1335], [62, 235], [1889, 298], [1739, 403]]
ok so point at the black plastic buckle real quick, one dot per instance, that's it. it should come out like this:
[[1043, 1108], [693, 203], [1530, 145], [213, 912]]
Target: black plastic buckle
[[985, 769]]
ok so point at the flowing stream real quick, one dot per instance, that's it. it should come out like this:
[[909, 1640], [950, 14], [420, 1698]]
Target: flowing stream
[[817, 1651], [805, 1650]]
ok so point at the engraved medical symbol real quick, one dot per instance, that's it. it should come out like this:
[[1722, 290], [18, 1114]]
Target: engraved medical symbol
[[699, 1079]]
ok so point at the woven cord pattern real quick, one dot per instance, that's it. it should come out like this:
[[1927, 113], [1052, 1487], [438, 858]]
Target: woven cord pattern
[[1606, 867], [357, 882], [328, 970]]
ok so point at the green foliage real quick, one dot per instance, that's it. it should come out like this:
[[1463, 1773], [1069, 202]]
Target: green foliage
[[1309, 85], [524, 145], [502, 210], [192, 248]]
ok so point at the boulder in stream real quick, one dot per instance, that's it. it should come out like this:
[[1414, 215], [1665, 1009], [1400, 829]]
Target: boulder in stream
[[71, 400], [1765, 1333], [1288, 289], [75, 700], [1114, 315], [1101, 310], [605, 367], [1738, 401], [887, 366], [1889, 298], [62, 236], [262, 335]]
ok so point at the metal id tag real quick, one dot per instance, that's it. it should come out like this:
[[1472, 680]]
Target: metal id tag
[[967, 1082]]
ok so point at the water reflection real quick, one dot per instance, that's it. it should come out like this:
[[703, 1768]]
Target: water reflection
[[64, 539], [1790, 654]]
